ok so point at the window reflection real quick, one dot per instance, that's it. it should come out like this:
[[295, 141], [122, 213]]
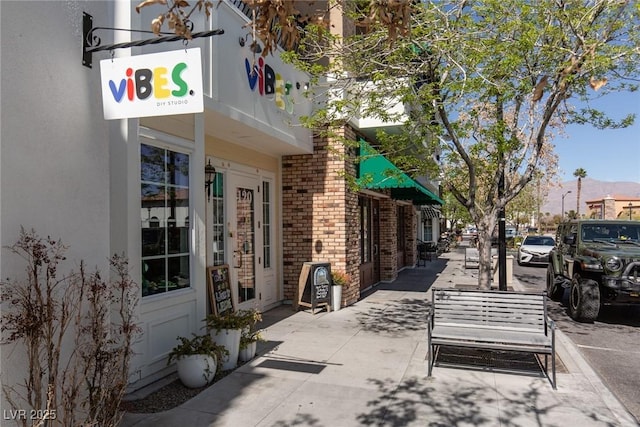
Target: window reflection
[[164, 193], [217, 211]]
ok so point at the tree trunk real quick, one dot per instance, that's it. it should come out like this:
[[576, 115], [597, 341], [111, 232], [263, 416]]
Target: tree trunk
[[578, 198], [485, 266]]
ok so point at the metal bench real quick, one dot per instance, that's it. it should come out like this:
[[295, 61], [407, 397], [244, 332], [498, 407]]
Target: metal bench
[[492, 320]]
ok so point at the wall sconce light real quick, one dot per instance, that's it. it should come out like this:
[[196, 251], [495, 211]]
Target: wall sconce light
[[209, 178], [254, 46]]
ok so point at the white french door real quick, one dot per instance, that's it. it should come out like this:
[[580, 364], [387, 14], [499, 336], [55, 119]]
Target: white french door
[[241, 233], [245, 239]]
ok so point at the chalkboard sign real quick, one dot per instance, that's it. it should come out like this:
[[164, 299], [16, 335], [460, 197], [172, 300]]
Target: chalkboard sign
[[220, 294], [314, 285]]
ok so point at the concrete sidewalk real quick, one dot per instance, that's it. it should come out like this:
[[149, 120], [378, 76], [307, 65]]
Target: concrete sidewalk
[[365, 365]]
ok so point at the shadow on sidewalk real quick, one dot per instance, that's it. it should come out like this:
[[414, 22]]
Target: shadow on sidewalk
[[418, 279], [461, 403], [397, 318]]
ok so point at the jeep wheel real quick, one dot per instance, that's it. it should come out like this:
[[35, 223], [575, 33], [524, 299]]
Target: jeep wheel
[[584, 299], [554, 291]]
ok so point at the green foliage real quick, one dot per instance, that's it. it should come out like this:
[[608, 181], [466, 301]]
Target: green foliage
[[249, 336], [454, 211], [486, 84], [237, 320], [197, 344]]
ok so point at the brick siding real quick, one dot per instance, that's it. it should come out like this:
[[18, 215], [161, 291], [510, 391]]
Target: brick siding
[[321, 218]]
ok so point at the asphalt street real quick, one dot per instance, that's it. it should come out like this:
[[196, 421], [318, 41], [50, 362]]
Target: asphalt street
[[611, 344]]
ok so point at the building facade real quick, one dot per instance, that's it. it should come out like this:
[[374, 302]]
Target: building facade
[[138, 186], [614, 207]]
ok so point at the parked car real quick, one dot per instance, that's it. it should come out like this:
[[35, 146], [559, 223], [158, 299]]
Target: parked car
[[599, 262], [535, 250]]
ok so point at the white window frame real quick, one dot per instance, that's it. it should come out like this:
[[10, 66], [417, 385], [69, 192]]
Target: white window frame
[[168, 142]]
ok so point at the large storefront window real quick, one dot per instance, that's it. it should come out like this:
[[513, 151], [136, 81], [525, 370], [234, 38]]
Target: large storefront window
[[164, 195]]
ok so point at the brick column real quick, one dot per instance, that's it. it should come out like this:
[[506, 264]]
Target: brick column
[[320, 214], [609, 207], [410, 232], [388, 240]]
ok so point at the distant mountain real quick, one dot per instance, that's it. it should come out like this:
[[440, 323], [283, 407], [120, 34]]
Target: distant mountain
[[591, 190]]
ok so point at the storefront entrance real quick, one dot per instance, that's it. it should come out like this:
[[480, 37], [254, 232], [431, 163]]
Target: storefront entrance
[[369, 210], [240, 234], [243, 239]]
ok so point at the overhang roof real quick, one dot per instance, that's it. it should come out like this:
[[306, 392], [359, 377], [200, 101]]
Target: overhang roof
[[378, 173]]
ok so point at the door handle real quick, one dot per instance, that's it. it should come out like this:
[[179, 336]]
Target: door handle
[[375, 249]]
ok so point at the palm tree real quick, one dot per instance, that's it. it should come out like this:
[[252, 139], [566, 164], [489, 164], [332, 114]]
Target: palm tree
[[579, 173]]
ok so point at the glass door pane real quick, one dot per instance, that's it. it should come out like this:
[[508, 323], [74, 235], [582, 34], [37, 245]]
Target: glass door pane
[[244, 252]]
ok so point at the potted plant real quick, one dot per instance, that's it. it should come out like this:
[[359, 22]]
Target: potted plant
[[338, 280], [250, 335], [197, 359], [249, 343], [226, 330]]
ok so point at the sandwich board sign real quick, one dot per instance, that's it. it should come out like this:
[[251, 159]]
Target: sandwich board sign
[[314, 285]]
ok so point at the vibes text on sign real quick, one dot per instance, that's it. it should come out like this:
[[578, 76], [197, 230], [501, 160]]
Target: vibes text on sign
[[157, 84]]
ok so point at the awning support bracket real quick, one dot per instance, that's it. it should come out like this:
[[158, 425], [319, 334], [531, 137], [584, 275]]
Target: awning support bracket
[[91, 42]]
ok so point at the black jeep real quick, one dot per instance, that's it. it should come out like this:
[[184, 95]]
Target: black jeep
[[599, 261]]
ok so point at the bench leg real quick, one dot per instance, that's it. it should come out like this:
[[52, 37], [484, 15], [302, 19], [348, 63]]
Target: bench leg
[[433, 354], [553, 369], [552, 378]]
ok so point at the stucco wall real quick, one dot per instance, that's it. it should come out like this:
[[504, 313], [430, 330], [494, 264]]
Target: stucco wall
[[54, 170], [54, 140]]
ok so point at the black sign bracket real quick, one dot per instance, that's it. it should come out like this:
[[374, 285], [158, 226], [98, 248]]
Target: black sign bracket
[[92, 43]]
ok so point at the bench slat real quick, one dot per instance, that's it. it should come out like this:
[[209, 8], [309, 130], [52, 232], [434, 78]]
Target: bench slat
[[461, 333], [475, 303], [494, 327], [488, 315], [516, 314], [490, 297], [491, 315], [498, 346], [490, 318]]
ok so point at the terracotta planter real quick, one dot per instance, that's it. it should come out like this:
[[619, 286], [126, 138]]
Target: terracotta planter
[[230, 339], [196, 370]]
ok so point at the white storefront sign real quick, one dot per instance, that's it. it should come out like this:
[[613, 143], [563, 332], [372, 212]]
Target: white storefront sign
[[158, 84]]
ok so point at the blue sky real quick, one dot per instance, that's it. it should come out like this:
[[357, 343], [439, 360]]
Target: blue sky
[[606, 155]]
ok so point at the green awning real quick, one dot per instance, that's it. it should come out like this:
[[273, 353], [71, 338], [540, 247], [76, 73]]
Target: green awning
[[378, 173]]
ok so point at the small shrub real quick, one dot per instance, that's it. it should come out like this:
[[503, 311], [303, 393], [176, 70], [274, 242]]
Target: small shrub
[[43, 311]]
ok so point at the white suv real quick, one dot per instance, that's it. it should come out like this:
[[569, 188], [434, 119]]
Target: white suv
[[535, 250]]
